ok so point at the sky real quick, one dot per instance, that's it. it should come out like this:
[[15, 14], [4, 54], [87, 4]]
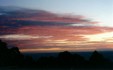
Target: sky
[[74, 25], [93, 9]]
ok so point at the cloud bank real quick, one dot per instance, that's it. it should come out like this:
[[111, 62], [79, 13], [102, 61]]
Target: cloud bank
[[38, 30]]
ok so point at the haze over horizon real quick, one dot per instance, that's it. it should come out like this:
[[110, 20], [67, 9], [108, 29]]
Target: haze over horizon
[[52, 25]]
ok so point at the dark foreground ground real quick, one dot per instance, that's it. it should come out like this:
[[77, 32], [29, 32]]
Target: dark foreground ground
[[15, 68], [13, 59]]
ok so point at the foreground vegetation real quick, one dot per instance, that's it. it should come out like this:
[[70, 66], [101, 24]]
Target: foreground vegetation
[[13, 59]]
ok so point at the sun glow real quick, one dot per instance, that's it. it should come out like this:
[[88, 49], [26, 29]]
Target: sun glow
[[107, 37], [39, 50]]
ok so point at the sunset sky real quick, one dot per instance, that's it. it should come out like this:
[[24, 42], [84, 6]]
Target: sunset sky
[[57, 25]]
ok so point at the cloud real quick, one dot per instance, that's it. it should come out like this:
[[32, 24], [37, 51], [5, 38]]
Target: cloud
[[101, 37], [42, 18], [46, 31], [21, 37], [34, 37]]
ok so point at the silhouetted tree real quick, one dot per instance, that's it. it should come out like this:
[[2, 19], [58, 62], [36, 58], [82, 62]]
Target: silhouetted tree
[[3, 46], [78, 61], [16, 57], [3, 54], [98, 60], [47, 62], [70, 60], [64, 59], [29, 61], [11, 56]]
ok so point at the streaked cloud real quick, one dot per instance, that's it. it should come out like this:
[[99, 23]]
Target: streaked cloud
[[47, 31], [21, 37], [107, 36]]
